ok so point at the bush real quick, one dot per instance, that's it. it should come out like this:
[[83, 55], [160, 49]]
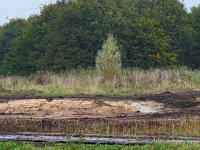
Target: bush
[[108, 60]]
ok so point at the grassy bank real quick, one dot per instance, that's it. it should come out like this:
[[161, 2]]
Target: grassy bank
[[89, 82], [71, 146]]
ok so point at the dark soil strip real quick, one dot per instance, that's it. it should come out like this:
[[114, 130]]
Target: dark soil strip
[[185, 99]]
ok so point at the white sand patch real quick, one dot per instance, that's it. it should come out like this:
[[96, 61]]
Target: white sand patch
[[148, 106]]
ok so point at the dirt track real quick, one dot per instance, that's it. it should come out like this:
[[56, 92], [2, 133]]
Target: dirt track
[[77, 108], [158, 105]]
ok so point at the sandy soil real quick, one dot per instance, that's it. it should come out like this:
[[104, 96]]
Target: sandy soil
[[76, 108], [70, 114], [165, 104]]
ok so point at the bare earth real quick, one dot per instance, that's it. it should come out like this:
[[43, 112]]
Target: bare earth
[[164, 104], [74, 108], [63, 114]]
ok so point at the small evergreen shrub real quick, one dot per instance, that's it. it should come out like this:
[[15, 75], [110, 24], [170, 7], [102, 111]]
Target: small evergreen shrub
[[108, 60]]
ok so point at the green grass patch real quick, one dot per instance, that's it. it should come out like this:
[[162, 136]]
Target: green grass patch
[[123, 91], [72, 146], [58, 91]]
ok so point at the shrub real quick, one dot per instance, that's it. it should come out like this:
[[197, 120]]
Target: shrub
[[108, 60]]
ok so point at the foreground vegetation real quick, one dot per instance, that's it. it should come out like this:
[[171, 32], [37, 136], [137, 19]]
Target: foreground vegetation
[[139, 127], [71, 146], [90, 82]]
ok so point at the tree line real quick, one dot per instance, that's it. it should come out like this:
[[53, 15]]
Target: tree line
[[69, 34]]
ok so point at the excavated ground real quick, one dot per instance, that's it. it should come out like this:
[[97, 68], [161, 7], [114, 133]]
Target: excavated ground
[[77, 108], [165, 105]]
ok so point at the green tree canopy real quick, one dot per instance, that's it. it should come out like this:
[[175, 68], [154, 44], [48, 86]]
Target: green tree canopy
[[69, 34]]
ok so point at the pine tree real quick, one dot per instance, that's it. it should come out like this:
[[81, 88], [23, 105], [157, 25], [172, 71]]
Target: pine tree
[[108, 60]]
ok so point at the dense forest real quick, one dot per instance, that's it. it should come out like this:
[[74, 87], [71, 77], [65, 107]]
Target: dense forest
[[69, 34]]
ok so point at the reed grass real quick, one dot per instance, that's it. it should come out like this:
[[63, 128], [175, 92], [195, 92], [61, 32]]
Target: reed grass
[[133, 81]]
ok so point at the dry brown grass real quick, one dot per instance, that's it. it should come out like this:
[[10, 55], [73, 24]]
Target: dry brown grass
[[178, 127], [89, 82]]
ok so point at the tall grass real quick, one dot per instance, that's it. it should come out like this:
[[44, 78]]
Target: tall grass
[[89, 82], [184, 126]]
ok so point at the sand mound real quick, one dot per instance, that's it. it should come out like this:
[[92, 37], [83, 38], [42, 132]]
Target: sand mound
[[74, 108]]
